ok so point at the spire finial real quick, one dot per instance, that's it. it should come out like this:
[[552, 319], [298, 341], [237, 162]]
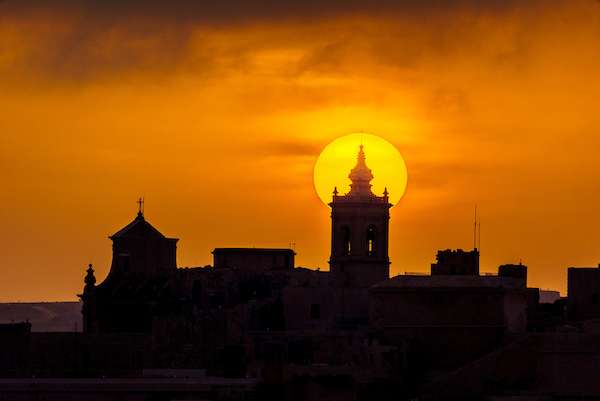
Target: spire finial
[[335, 191], [361, 175], [140, 203], [89, 279], [385, 192]]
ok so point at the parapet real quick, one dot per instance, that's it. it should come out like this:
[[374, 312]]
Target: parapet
[[456, 262], [254, 259]]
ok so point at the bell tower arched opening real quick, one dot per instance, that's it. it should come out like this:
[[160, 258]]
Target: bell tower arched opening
[[346, 241], [371, 237]]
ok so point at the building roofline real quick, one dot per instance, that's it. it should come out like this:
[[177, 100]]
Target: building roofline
[[253, 250]]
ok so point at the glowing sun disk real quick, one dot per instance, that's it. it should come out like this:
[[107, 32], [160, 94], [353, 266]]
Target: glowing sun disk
[[339, 156]]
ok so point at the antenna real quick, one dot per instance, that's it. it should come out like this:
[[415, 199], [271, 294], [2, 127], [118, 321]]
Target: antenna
[[479, 236], [475, 229]]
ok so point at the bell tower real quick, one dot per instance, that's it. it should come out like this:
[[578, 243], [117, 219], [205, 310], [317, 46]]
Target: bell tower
[[359, 231]]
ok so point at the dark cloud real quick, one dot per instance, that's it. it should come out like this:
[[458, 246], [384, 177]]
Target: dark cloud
[[229, 10], [93, 40]]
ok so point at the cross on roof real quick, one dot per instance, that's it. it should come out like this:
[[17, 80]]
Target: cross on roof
[[140, 203]]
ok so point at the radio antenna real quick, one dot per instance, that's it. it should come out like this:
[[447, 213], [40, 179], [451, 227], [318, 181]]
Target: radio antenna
[[479, 235], [475, 229]]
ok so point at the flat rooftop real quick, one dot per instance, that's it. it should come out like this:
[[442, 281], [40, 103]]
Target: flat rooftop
[[254, 250], [450, 281]]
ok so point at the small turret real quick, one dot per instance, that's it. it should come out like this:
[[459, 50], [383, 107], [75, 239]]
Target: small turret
[[89, 280], [88, 298]]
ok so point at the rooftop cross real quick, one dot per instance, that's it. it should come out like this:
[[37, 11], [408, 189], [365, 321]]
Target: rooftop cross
[[140, 203]]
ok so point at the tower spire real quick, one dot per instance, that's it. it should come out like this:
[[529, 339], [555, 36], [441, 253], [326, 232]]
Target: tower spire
[[361, 176], [359, 238]]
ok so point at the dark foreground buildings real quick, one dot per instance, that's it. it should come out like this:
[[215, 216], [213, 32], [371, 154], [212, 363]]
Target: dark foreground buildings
[[256, 327]]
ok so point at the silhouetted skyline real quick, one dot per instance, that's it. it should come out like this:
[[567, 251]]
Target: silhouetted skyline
[[217, 113], [255, 325], [299, 200]]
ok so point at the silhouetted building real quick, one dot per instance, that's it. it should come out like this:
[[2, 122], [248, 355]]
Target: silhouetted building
[[257, 259], [359, 243], [14, 349], [140, 249], [456, 262], [143, 261], [255, 326], [359, 231], [452, 315], [516, 271], [583, 289]]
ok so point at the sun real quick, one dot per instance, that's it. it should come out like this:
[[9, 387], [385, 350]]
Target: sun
[[339, 156]]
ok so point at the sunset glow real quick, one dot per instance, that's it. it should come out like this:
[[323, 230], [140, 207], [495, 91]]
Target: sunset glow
[[339, 156], [217, 115]]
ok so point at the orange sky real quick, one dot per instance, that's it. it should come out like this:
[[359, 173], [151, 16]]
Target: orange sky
[[216, 115]]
